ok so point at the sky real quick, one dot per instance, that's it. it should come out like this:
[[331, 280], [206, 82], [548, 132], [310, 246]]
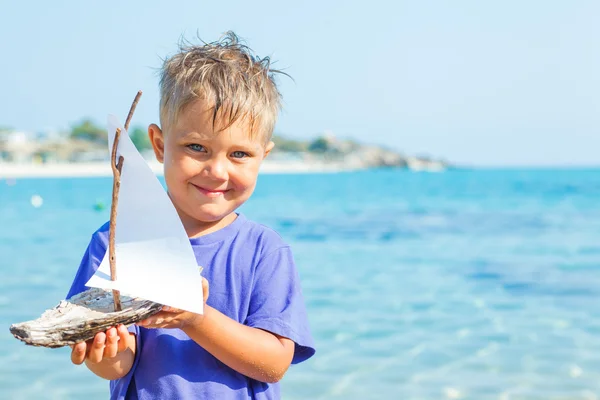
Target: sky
[[481, 83]]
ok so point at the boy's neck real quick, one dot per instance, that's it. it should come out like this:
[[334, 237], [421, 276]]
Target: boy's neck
[[195, 228]]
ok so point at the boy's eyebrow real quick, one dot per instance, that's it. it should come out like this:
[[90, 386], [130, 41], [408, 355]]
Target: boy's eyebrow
[[247, 145], [194, 134]]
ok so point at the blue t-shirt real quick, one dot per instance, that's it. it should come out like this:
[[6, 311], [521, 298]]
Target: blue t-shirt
[[252, 279]]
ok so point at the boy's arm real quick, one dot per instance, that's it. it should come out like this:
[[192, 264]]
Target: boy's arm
[[109, 355], [273, 335], [253, 352]]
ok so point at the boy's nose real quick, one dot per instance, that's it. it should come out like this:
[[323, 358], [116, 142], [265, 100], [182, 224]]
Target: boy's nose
[[216, 169]]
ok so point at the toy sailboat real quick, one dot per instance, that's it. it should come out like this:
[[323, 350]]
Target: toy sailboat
[[148, 243]]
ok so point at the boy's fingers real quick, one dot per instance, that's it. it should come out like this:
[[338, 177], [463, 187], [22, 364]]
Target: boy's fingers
[[169, 309], [78, 353], [112, 343], [144, 322], [205, 289], [123, 336], [97, 348]]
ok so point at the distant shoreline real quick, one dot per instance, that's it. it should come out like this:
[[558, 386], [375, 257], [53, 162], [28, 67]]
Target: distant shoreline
[[102, 169]]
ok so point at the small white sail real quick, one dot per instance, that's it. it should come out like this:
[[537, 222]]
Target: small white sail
[[154, 257]]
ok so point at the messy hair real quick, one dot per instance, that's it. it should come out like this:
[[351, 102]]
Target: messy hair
[[235, 83]]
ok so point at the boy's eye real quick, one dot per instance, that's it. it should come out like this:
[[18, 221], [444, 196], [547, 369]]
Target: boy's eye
[[196, 147], [239, 154]]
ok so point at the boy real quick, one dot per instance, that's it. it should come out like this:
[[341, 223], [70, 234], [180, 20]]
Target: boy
[[218, 108]]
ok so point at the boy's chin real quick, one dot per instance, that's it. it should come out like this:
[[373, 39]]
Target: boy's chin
[[208, 216]]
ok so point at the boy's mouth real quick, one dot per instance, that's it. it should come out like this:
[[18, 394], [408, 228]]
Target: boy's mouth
[[210, 192]]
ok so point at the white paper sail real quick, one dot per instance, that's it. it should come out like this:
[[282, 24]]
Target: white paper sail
[[154, 257]]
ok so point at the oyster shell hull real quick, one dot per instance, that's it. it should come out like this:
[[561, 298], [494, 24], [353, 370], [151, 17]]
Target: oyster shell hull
[[82, 316]]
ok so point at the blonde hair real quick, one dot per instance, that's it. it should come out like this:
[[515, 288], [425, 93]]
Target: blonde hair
[[235, 84]]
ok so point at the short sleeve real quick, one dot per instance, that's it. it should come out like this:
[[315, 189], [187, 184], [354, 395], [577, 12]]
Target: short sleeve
[[277, 304], [90, 262]]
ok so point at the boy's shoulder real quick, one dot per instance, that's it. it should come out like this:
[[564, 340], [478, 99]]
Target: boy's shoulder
[[261, 234]]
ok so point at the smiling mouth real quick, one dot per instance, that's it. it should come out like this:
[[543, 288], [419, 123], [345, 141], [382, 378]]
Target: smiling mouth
[[210, 193]]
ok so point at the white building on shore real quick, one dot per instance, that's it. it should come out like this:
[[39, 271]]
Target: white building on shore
[[49, 146]]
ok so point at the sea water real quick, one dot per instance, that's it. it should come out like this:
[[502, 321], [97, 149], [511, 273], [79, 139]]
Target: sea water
[[473, 284]]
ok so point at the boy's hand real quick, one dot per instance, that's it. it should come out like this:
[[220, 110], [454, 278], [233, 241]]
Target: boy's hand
[[104, 345], [170, 318]]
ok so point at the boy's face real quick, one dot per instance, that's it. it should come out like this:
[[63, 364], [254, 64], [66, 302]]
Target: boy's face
[[208, 174]]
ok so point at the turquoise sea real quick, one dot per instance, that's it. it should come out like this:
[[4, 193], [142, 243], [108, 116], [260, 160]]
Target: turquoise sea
[[467, 284]]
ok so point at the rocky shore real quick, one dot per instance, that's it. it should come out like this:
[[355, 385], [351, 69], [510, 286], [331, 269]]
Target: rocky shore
[[351, 155], [86, 146]]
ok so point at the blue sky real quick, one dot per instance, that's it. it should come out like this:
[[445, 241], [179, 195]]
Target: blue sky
[[475, 82]]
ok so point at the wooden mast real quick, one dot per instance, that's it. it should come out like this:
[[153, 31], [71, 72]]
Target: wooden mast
[[116, 167]]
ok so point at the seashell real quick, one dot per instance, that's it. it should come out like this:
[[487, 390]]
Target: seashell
[[82, 316]]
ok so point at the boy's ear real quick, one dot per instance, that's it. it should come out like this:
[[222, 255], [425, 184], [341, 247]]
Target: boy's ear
[[268, 148], [158, 142]]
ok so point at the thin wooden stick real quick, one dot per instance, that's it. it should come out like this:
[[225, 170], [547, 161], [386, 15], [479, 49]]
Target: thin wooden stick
[[116, 169], [132, 109]]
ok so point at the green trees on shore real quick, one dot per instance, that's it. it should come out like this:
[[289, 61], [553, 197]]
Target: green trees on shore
[[87, 130]]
